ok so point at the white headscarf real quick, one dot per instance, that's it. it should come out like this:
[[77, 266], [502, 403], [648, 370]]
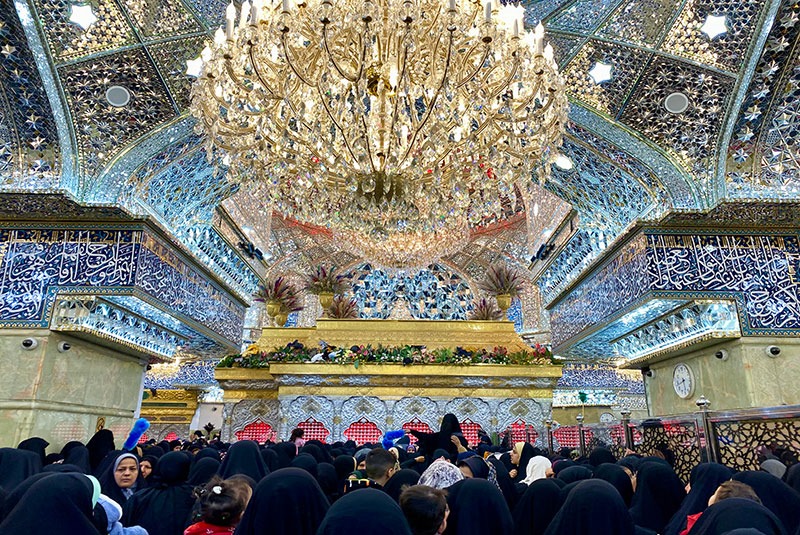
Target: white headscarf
[[536, 469]]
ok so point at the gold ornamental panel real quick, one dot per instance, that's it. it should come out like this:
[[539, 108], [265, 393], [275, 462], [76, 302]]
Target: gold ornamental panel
[[432, 334]]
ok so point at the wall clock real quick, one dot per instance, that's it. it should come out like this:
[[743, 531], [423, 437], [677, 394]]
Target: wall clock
[[683, 380]]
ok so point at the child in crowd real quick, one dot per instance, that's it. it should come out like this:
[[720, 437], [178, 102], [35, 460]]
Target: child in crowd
[[222, 503]]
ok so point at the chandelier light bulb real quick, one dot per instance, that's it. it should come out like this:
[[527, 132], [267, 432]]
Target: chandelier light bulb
[[409, 117]]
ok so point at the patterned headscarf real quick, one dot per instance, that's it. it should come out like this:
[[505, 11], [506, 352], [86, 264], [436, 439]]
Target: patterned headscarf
[[440, 475]]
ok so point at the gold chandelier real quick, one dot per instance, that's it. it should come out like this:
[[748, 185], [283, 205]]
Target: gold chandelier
[[383, 116]]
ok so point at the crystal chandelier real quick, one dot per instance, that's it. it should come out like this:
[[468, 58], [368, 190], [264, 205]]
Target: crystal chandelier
[[383, 116], [407, 250]]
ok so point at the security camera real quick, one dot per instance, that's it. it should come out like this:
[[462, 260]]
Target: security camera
[[63, 347], [773, 351], [30, 344], [722, 354], [649, 373]]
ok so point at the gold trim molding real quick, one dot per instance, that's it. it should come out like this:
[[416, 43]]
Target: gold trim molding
[[432, 334]]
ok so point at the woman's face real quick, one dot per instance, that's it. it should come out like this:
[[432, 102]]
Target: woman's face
[[146, 468], [466, 471], [514, 456], [126, 473]]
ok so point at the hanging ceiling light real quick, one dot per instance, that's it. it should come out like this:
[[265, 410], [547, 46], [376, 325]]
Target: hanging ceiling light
[[383, 116]]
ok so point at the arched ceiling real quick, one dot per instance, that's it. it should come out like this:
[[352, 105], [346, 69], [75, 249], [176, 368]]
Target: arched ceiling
[[631, 158]]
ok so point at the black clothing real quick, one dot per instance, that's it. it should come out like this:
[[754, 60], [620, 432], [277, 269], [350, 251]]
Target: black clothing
[[328, 481], [398, 480], [618, 477], [575, 473], [286, 452], [165, 507], [37, 445], [286, 502], [16, 466], [58, 503], [271, 459], [365, 512], [704, 480], [210, 453], [775, 495], [99, 446], [477, 508], [525, 456], [244, 457], [202, 471], [658, 496], [504, 480], [307, 462], [594, 507], [734, 513], [537, 507], [600, 456], [345, 465]]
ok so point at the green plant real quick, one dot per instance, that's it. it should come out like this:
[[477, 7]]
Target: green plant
[[484, 309], [405, 355], [343, 308], [501, 279], [281, 291], [323, 280]]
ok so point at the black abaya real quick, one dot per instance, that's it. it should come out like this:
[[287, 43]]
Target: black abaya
[[244, 457], [600, 456], [286, 502], [365, 512], [594, 507], [345, 465], [58, 503], [163, 509], [575, 473], [504, 480], [37, 445], [79, 456], [704, 480], [775, 495], [328, 482], [618, 477], [537, 507], [658, 496], [477, 508], [271, 459], [735, 513], [307, 462], [202, 471], [398, 480], [99, 446], [286, 452], [16, 466]]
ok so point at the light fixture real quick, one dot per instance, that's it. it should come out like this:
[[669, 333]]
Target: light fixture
[[714, 25], [118, 96], [676, 103], [82, 16], [600, 72], [404, 250], [563, 162], [194, 67], [395, 116]]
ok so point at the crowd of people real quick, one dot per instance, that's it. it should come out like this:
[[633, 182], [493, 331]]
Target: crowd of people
[[438, 485]]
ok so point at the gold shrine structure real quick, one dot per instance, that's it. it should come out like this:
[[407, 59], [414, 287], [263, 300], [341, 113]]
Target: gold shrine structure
[[343, 399]]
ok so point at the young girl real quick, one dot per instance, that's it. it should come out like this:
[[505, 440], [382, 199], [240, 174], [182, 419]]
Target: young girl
[[222, 503]]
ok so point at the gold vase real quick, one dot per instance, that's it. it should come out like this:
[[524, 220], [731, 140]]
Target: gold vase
[[273, 307], [281, 318], [325, 300], [503, 302]]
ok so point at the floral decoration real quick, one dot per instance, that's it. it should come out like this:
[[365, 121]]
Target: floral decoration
[[405, 355]]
